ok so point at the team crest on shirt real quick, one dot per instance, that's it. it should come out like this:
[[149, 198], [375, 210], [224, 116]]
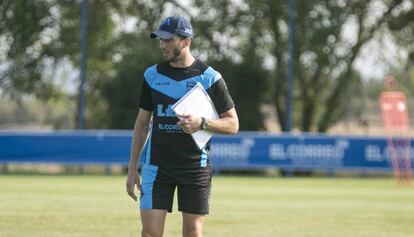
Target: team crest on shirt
[[190, 84]]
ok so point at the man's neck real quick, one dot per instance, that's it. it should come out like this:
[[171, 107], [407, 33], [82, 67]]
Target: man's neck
[[185, 61]]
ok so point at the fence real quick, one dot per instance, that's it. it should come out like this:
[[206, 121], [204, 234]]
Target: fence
[[247, 150]]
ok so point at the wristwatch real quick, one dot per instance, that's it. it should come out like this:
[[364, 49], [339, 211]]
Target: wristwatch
[[204, 123]]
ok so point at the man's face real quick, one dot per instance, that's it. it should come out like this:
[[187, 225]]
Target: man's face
[[172, 49]]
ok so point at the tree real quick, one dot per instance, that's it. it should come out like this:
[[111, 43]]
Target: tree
[[246, 82], [122, 92], [24, 34], [329, 36], [246, 78], [248, 44], [230, 45]]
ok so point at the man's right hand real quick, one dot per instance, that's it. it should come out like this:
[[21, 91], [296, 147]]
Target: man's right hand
[[133, 178]]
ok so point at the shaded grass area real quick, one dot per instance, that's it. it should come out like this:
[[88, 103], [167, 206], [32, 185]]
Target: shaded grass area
[[36, 205]]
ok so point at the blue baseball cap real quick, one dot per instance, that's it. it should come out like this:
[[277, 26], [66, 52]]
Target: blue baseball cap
[[173, 25]]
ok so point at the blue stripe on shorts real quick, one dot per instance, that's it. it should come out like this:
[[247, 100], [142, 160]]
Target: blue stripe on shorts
[[148, 175]]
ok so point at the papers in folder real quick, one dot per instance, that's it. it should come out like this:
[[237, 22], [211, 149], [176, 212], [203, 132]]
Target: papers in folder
[[197, 103]]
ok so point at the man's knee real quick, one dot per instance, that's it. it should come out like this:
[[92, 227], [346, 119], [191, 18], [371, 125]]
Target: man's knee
[[192, 225], [153, 223], [193, 233], [193, 230], [151, 232]]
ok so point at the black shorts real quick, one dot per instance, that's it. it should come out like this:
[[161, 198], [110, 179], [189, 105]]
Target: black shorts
[[193, 187]]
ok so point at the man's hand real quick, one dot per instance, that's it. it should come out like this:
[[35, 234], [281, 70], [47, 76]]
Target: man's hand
[[133, 178], [189, 123]]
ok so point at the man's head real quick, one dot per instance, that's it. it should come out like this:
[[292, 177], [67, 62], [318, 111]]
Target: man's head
[[173, 26], [175, 34]]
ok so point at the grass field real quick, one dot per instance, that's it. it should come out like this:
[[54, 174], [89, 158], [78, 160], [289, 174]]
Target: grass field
[[53, 206]]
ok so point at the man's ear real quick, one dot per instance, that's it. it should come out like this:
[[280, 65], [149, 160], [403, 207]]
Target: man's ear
[[187, 42]]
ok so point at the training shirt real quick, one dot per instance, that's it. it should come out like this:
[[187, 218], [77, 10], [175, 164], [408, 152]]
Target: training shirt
[[168, 145]]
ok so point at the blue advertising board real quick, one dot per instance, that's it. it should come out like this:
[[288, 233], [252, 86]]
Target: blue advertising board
[[242, 151], [66, 147], [301, 151]]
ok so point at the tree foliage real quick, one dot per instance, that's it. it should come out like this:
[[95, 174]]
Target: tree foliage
[[245, 40], [329, 36], [24, 35]]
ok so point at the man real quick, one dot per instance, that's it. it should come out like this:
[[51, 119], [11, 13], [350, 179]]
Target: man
[[172, 158]]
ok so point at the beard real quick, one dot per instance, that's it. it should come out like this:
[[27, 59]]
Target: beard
[[176, 55]]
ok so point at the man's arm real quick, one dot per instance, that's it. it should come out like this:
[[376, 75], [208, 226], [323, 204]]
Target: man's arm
[[139, 138], [228, 123]]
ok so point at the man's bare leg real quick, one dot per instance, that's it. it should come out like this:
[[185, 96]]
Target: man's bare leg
[[153, 222], [192, 225]]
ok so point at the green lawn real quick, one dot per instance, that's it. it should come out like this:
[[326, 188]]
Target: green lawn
[[35, 205]]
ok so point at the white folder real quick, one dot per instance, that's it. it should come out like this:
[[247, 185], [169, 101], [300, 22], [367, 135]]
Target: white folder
[[197, 103]]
